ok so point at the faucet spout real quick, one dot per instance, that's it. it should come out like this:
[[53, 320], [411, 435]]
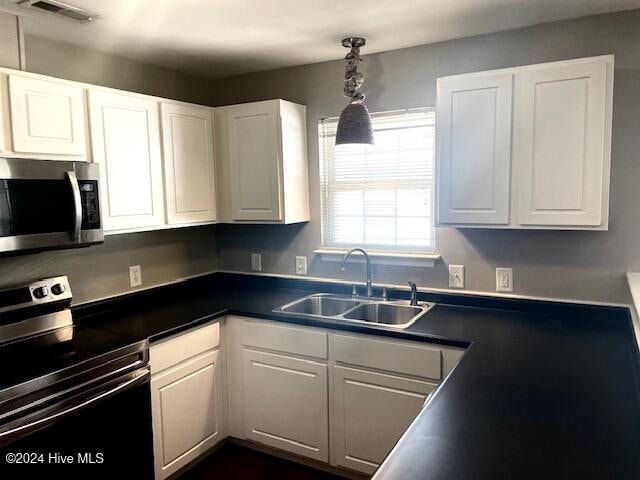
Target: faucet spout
[[368, 262], [413, 300]]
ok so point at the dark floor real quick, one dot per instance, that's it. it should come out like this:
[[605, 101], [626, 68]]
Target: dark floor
[[238, 463]]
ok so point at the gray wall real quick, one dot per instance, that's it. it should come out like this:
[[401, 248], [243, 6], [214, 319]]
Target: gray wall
[[9, 41], [164, 256], [71, 62], [575, 265]]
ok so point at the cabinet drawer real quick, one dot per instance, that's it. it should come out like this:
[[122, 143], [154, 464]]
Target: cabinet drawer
[[182, 346], [399, 357], [297, 341]]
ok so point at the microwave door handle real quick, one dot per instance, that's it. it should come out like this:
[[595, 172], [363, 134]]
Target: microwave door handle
[[77, 204], [64, 413]]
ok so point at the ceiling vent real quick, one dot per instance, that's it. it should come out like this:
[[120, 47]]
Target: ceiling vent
[[59, 8]]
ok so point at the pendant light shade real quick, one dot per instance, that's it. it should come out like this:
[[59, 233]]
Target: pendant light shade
[[354, 125]]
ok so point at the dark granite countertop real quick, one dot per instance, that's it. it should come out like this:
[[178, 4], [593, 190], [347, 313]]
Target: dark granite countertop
[[544, 390]]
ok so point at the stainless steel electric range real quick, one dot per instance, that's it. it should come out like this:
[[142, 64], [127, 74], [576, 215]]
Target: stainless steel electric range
[[74, 401]]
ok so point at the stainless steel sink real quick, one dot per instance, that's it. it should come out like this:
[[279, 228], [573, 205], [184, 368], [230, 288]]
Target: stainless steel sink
[[398, 313], [322, 306], [387, 313]]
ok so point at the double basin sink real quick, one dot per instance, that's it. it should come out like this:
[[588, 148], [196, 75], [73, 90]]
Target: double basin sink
[[395, 313]]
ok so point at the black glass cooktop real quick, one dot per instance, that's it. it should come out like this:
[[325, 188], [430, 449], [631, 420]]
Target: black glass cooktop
[[57, 356]]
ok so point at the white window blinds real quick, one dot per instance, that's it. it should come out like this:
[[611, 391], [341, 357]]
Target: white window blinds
[[380, 196]]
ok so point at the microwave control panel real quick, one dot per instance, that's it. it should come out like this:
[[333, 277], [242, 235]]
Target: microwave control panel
[[90, 204]]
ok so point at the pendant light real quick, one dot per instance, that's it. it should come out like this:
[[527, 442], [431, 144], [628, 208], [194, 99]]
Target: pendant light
[[354, 125]]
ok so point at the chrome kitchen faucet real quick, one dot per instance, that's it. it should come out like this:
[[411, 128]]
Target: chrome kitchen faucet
[[367, 260]]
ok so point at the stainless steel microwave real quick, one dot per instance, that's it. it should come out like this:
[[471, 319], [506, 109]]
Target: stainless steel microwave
[[47, 204]]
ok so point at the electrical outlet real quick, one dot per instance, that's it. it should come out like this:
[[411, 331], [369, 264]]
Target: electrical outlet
[[504, 279], [301, 265], [256, 262], [456, 276], [135, 276]]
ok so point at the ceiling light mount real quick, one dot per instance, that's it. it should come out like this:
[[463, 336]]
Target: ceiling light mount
[[353, 42]]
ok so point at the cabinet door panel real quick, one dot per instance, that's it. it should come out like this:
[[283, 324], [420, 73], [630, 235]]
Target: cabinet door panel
[[126, 143], [188, 163], [286, 403], [370, 413], [47, 117], [474, 148], [254, 151], [187, 412], [560, 141]]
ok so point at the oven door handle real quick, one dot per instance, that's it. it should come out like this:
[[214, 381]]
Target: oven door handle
[[140, 378], [77, 204]]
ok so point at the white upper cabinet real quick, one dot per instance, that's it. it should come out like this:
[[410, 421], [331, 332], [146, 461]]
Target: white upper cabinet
[[47, 117], [133, 137], [126, 143], [552, 146], [254, 162], [562, 129], [262, 150], [187, 139], [474, 148]]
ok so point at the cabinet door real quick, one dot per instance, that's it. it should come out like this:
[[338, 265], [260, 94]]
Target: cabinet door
[[370, 413], [286, 403], [126, 143], [474, 148], [254, 159], [561, 142], [47, 117], [187, 138], [187, 412]]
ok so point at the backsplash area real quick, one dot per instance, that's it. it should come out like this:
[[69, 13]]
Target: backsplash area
[[103, 270]]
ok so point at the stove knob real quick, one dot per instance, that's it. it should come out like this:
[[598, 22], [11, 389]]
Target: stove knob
[[40, 292], [58, 289]]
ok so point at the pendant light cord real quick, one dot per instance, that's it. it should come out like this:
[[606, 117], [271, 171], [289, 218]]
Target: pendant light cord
[[353, 79]]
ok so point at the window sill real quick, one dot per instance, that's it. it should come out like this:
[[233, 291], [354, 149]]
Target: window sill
[[382, 258]]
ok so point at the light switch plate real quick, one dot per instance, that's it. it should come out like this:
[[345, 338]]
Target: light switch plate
[[301, 265], [504, 279], [135, 276], [456, 276], [256, 262]]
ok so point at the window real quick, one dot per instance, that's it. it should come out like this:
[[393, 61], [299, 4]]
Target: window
[[380, 196]]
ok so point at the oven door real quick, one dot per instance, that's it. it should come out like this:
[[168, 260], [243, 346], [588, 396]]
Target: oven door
[[104, 432], [48, 204]]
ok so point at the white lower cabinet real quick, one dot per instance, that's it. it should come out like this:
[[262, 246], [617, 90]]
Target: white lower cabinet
[[333, 397], [286, 403], [187, 399], [370, 412]]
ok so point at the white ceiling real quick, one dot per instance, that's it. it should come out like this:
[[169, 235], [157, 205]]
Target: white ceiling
[[216, 38]]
